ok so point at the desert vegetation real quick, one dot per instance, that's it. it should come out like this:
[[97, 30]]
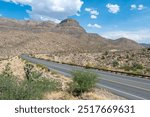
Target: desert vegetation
[[36, 82], [83, 81], [135, 62], [33, 87]]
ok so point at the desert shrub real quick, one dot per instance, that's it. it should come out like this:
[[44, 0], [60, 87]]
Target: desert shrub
[[8, 87], [35, 89], [115, 63], [136, 66], [32, 88], [148, 70], [106, 53], [83, 81]]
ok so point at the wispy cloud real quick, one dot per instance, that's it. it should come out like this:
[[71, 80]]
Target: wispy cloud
[[137, 7], [113, 8], [93, 13], [94, 26]]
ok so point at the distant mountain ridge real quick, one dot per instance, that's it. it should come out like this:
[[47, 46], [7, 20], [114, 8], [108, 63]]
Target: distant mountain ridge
[[145, 45], [25, 36]]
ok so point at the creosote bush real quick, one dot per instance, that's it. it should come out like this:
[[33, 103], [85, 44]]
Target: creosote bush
[[83, 81]]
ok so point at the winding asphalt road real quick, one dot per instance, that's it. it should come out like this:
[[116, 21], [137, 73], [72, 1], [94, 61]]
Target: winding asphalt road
[[132, 88]]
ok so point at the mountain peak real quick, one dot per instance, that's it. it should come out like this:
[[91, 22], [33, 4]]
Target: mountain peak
[[70, 26], [69, 22]]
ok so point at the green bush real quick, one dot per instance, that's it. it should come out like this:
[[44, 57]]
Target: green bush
[[32, 88], [82, 81], [136, 66], [115, 63], [8, 87], [35, 89]]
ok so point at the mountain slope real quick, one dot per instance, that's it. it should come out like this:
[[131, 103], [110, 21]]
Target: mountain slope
[[17, 37], [125, 44]]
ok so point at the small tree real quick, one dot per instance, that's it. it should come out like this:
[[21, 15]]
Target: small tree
[[82, 81]]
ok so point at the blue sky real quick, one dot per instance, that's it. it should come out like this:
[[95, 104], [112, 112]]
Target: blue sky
[[109, 18]]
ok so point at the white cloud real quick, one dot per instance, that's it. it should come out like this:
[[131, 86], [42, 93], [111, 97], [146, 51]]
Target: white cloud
[[93, 17], [113, 8], [139, 7], [94, 26], [93, 13], [133, 7], [1, 15], [137, 35], [88, 9], [55, 10]]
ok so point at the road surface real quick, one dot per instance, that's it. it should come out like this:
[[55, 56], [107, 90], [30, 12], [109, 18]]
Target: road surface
[[132, 88]]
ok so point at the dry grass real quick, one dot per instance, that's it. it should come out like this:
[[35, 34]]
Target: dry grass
[[61, 95], [17, 66], [97, 94], [92, 96]]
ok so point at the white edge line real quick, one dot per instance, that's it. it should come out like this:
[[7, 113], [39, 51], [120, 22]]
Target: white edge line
[[124, 84], [121, 91]]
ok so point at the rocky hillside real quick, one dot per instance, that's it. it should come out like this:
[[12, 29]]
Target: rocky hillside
[[125, 44], [136, 61], [17, 37]]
